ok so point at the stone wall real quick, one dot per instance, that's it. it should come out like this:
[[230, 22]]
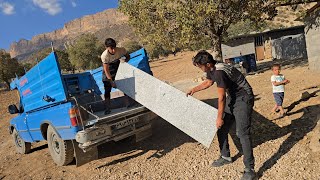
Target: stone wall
[[312, 31], [289, 47]]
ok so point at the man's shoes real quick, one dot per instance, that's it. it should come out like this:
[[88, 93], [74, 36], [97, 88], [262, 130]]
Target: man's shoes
[[248, 175], [222, 161], [107, 111]]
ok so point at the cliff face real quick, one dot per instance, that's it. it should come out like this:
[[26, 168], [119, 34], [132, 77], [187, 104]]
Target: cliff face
[[109, 23]]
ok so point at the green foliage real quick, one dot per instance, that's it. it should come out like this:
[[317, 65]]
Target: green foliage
[[64, 62], [63, 58], [9, 67], [155, 52], [27, 66], [131, 46], [188, 23], [290, 2], [85, 52], [244, 27]]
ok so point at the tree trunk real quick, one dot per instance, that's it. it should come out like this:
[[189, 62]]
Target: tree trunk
[[7, 85], [216, 47]]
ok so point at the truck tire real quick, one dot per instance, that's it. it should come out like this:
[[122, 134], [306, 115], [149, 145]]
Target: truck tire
[[61, 151], [22, 147]]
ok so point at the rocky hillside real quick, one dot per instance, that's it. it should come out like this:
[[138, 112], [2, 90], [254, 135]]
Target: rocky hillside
[[109, 23], [290, 16]]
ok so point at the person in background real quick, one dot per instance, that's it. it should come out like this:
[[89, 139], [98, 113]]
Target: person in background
[[244, 64]]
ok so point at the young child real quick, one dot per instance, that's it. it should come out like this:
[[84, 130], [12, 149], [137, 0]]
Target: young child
[[278, 81]]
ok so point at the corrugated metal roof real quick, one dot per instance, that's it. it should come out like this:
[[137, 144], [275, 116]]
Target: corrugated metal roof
[[252, 34]]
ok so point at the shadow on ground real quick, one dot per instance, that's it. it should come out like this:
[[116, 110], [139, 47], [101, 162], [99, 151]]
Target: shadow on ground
[[39, 148], [264, 130], [164, 139]]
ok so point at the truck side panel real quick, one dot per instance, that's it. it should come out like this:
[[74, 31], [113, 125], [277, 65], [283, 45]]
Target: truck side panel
[[20, 124], [57, 116], [42, 85], [78, 83], [140, 60], [97, 79]]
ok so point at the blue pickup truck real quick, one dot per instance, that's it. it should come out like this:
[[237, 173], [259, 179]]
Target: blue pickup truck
[[67, 110]]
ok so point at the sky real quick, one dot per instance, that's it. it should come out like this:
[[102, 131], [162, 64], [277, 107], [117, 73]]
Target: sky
[[23, 19]]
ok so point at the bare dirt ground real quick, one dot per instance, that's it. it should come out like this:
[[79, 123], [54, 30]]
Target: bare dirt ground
[[281, 145]]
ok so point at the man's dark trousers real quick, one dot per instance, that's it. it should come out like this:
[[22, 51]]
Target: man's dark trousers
[[238, 109]]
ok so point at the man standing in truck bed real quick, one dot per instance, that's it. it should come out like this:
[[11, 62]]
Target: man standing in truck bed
[[111, 61]]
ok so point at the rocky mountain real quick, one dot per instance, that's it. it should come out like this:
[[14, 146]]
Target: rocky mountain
[[109, 23], [112, 23]]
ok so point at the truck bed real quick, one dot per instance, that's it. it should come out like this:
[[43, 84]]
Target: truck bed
[[93, 109], [122, 122], [115, 114]]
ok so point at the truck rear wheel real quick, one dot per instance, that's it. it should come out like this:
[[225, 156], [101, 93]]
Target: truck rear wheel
[[22, 147], [61, 151]]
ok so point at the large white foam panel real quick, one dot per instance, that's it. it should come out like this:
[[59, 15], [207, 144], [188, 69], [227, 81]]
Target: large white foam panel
[[195, 118]]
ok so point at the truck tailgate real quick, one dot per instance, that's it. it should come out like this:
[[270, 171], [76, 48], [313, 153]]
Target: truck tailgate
[[100, 117]]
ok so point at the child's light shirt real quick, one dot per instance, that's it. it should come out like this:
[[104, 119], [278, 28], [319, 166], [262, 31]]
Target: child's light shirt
[[277, 78]]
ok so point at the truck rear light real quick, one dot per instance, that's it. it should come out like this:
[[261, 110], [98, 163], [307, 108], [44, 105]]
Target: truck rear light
[[73, 113]]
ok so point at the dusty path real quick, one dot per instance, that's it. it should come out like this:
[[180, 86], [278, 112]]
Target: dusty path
[[281, 145]]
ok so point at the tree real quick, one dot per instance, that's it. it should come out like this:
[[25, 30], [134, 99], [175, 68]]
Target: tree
[[27, 66], [131, 46], [244, 27], [155, 51], [183, 23], [63, 58], [290, 2], [85, 52], [9, 67], [64, 62]]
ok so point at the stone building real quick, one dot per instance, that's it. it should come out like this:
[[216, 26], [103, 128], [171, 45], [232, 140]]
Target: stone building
[[312, 33], [287, 43]]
